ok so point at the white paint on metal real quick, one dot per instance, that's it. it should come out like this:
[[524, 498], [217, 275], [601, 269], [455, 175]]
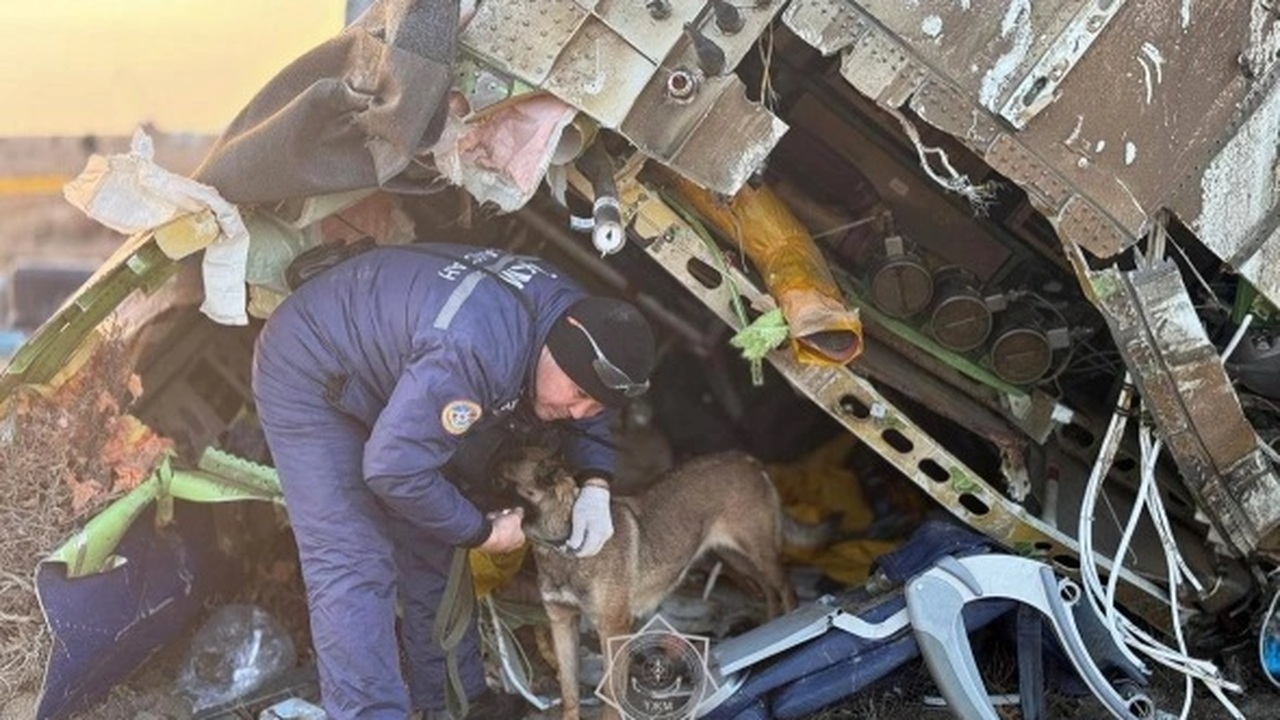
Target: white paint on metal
[[1185, 15], [1132, 198], [1264, 39], [1151, 61], [1130, 153], [1157, 60], [964, 4], [931, 26], [1239, 188], [1100, 146], [1016, 23], [1075, 132]]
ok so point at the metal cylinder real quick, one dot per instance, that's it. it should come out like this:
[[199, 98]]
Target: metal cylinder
[[901, 284], [959, 319], [1021, 351]]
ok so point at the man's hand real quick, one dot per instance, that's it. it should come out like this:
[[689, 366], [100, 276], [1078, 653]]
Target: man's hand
[[507, 535], [592, 523]]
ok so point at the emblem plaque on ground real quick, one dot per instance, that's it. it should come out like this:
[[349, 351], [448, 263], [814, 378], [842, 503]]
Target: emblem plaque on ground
[[656, 673]]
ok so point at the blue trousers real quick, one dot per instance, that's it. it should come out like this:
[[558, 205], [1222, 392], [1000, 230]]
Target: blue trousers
[[357, 559]]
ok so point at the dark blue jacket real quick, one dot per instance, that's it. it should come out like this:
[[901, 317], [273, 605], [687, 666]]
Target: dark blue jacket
[[416, 343]]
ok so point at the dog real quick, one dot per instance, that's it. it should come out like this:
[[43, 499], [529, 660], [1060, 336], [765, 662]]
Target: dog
[[723, 503]]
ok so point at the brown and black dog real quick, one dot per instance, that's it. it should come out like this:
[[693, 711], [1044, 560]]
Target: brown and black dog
[[723, 503]]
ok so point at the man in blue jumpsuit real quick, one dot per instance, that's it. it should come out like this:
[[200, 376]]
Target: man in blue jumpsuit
[[367, 380]]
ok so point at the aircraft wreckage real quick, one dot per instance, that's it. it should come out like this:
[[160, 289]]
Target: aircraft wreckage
[[1026, 252]]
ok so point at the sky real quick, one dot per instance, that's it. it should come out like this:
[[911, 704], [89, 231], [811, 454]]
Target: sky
[[76, 67]]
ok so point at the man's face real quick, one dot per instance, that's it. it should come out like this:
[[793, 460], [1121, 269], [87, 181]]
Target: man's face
[[556, 396]]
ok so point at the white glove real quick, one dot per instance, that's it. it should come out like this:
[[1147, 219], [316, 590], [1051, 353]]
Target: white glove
[[592, 523]]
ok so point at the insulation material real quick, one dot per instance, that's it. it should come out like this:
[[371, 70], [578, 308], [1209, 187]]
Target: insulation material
[[502, 156], [129, 193], [823, 330]]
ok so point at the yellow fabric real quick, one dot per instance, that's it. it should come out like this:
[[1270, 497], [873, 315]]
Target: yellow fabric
[[819, 484], [490, 570], [814, 488], [760, 223]]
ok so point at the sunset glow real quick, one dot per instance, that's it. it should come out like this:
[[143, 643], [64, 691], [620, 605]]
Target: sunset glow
[[72, 67]]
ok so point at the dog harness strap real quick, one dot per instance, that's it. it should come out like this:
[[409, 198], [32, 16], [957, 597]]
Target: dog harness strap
[[452, 618]]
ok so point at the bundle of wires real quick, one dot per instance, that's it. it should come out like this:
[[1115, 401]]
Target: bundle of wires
[[1127, 635]]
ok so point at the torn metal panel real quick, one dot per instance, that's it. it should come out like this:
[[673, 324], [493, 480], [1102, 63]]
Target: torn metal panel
[[664, 123], [1047, 189], [1239, 200], [987, 48], [599, 73], [828, 25], [1190, 397], [640, 76], [1145, 92], [882, 69], [942, 106], [730, 144], [1172, 86], [1081, 222], [856, 404], [651, 36], [1039, 86]]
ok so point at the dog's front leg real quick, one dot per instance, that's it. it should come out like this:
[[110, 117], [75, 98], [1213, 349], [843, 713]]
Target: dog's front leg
[[564, 639], [612, 619]]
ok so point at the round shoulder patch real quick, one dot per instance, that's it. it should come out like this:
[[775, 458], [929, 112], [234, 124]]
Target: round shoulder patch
[[459, 415]]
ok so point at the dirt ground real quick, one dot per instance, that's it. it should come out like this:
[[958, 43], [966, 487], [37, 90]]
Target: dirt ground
[[906, 694]]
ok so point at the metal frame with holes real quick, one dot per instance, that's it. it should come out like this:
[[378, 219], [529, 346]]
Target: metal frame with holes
[[861, 409]]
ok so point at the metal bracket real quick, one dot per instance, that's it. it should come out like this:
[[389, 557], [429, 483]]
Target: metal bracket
[[853, 402]]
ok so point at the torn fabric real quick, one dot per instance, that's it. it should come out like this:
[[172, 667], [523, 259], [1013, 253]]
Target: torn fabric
[[130, 193], [350, 114]]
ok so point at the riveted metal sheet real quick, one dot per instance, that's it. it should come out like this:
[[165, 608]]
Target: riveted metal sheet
[[731, 143], [655, 38], [855, 403], [1188, 394], [1147, 107], [659, 124], [1140, 116], [1083, 224], [1047, 190], [881, 68], [1039, 86], [943, 107], [523, 38], [600, 73], [985, 48], [828, 25]]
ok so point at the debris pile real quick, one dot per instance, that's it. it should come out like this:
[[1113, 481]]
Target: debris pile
[[65, 454]]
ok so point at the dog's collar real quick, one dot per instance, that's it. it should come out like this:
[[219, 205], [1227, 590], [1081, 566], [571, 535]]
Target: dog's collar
[[558, 546]]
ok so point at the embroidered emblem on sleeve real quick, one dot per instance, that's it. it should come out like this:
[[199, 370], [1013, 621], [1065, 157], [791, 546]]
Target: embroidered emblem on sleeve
[[459, 415]]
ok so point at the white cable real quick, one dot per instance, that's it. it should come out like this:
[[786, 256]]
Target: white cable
[[1126, 633], [1235, 339], [515, 665], [1088, 567], [980, 197]]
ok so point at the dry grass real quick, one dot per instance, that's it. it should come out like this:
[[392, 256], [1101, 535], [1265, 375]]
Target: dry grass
[[64, 456]]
